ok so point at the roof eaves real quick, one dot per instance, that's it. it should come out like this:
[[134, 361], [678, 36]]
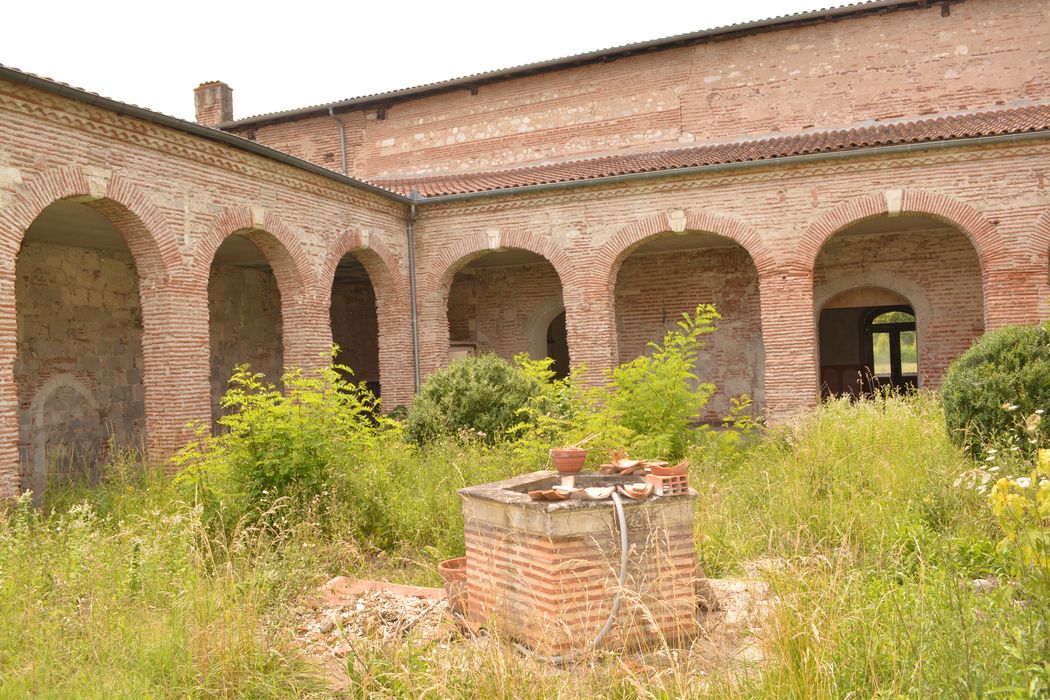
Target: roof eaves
[[80, 95], [942, 130], [724, 32]]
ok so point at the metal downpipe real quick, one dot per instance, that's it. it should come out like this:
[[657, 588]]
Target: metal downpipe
[[342, 136], [411, 243]]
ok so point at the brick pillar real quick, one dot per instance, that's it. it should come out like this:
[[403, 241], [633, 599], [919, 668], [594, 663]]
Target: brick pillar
[[176, 363], [432, 307], [9, 457], [590, 321], [1011, 294], [213, 103], [396, 368], [307, 332], [789, 338]]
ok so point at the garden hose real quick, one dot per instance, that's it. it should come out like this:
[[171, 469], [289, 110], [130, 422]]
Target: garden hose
[[621, 521]]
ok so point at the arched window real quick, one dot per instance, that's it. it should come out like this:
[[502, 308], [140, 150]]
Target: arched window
[[891, 344]]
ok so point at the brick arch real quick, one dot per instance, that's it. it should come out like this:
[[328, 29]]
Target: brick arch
[[440, 271], [981, 232], [396, 375], [629, 238], [372, 252], [305, 330], [147, 233], [155, 252], [908, 289], [277, 241]]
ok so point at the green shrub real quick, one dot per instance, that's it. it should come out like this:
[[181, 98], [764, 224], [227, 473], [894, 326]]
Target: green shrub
[[280, 444], [477, 397], [658, 397], [1004, 377]]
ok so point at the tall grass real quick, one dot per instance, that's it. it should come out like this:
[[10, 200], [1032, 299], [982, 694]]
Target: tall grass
[[149, 603], [864, 480], [128, 589], [872, 551]]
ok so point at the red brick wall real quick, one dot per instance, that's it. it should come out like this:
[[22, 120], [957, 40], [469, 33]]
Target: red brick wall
[[882, 66], [653, 291], [502, 309], [782, 217], [549, 580], [175, 197]]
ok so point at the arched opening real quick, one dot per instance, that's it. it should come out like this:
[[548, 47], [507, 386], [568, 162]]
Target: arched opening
[[670, 274], [557, 338], [244, 314], [868, 343], [504, 302], [78, 367], [898, 298], [355, 324]]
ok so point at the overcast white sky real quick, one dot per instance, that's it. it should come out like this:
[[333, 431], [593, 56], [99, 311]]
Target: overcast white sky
[[283, 55]]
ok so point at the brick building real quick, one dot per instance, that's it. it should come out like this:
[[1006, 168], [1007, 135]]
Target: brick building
[[808, 175]]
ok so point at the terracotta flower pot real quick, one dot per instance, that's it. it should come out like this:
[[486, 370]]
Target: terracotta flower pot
[[454, 572], [568, 460]]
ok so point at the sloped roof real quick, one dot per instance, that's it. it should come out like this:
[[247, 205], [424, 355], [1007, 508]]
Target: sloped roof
[[1016, 120], [50, 85]]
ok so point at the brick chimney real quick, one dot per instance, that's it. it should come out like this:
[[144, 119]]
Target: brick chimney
[[213, 102]]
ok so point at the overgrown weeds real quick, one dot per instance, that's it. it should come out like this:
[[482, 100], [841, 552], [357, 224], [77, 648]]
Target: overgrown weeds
[[874, 530]]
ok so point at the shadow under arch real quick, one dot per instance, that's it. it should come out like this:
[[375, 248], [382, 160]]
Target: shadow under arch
[[682, 222], [393, 355]]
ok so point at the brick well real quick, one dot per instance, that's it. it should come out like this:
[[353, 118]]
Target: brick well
[[545, 574]]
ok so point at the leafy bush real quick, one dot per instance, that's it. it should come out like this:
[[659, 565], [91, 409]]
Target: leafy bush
[[648, 406], [1005, 375], [479, 396], [658, 397], [280, 444]]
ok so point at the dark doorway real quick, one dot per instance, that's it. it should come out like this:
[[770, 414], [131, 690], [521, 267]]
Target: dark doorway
[[558, 346], [867, 349], [355, 322]]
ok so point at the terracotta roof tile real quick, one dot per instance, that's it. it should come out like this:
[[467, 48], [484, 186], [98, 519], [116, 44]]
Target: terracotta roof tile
[[939, 128]]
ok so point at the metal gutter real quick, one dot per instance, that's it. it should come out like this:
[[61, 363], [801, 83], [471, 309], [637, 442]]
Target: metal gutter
[[410, 244], [602, 55], [745, 165], [17, 76], [342, 136]]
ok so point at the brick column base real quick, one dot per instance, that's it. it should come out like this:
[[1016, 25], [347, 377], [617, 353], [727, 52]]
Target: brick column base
[[176, 364], [590, 321], [789, 337]]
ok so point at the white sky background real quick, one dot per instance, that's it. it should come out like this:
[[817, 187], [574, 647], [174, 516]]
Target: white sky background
[[295, 53]]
